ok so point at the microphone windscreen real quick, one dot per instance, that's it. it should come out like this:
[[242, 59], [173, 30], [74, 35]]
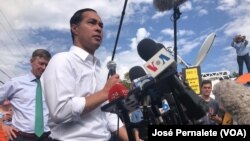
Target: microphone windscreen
[[147, 48], [235, 99], [117, 91], [136, 72], [111, 65], [163, 5], [160, 45]]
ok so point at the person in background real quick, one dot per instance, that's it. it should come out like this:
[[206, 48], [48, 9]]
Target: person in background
[[213, 113], [7, 111], [72, 86], [226, 117], [3, 136], [25, 96], [137, 117], [234, 98], [240, 44]]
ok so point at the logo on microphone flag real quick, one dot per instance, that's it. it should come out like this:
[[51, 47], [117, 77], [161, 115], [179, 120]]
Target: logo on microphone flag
[[159, 62], [117, 91]]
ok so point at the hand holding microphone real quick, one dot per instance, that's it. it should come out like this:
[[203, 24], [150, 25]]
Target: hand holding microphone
[[113, 85], [112, 80], [111, 65]]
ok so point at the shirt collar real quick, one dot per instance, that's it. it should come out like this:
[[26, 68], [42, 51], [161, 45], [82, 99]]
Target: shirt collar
[[83, 54], [31, 77]]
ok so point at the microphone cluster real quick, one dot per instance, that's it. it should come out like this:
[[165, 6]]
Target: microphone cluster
[[159, 87], [162, 67]]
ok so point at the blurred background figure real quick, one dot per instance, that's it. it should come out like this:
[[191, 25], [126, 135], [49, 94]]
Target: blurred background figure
[[244, 79], [234, 97], [3, 136], [30, 112], [214, 113], [7, 112], [240, 44]]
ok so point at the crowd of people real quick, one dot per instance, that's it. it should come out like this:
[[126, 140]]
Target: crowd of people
[[61, 97]]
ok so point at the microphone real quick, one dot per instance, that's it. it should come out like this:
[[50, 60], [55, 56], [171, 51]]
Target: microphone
[[136, 72], [157, 57], [179, 59], [138, 76], [141, 80], [163, 5], [150, 94], [145, 49], [234, 98], [117, 91], [111, 65], [161, 66]]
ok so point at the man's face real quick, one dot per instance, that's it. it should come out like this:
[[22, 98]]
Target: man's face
[[38, 65], [206, 89], [88, 33]]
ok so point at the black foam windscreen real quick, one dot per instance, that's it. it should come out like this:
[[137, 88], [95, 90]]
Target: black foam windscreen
[[163, 5], [160, 45], [147, 48], [136, 72]]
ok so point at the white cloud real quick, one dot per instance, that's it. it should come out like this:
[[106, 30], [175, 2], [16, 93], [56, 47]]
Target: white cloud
[[141, 34], [180, 32], [241, 21], [124, 59], [56, 14], [21, 16], [168, 31], [203, 12], [187, 6], [158, 15], [26, 17], [226, 4]]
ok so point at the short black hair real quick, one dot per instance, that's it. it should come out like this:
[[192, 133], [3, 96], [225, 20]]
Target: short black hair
[[206, 82], [41, 53], [77, 18]]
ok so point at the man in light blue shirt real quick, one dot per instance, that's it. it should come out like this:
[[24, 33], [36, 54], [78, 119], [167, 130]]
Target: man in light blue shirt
[[240, 45], [21, 91]]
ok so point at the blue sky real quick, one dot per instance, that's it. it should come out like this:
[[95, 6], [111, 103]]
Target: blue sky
[[26, 25]]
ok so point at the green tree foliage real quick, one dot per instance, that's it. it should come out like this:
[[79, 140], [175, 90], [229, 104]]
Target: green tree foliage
[[126, 82], [234, 75]]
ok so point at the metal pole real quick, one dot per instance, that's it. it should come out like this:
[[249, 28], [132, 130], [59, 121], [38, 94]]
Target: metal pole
[[119, 29], [118, 34], [176, 16]]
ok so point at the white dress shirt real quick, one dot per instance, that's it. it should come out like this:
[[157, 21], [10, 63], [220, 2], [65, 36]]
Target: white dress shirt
[[21, 91], [67, 80]]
